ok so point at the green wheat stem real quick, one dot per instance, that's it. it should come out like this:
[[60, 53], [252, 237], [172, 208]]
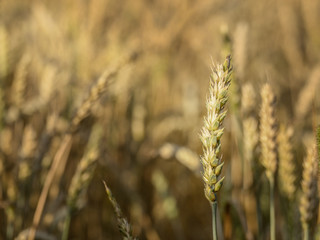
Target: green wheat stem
[[306, 232], [66, 227], [214, 220]]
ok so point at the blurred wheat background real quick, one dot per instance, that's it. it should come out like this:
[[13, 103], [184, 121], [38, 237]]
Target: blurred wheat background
[[115, 91]]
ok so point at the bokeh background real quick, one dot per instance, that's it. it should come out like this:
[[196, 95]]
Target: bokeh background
[[145, 127]]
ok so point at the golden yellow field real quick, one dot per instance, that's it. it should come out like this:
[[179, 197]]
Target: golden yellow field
[[118, 92]]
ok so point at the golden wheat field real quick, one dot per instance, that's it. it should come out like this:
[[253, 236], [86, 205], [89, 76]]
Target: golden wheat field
[[159, 119]]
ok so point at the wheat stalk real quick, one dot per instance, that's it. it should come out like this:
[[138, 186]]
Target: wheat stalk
[[98, 89], [249, 132], [307, 94], [82, 177], [19, 82], [3, 52], [2, 105], [250, 141], [84, 171], [240, 48], [309, 200], [123, 224], [268, 132], [211, 134], [287, 175], [268, 146], [28, 147], [318, 140], [46, 89], [83, 111]]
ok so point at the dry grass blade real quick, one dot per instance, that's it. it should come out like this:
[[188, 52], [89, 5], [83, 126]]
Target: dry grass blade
[[123, 224], [60, 156]]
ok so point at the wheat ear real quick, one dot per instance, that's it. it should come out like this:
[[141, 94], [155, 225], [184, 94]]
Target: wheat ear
[[98, 89], [83, 111], [250, 132], [3, 52], [211, 134], [19, 82], [82, 177], [309, 200], [268, 146], [123, 224], [61, 155], [318, 141], [287, 175]]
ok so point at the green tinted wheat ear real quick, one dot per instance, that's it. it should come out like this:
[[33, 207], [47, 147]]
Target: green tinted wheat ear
[[212, 131], [268, 146], [309, 199], [123, 224]]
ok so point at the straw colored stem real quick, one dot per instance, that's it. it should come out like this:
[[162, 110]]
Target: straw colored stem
[[59, 157], [306, 232]]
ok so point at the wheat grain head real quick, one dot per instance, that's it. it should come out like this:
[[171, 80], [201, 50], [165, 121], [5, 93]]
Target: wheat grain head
[[212, 130], [3, 52], [309, 200], [123, 224], [287, 175], [268, 132], [85, 169]]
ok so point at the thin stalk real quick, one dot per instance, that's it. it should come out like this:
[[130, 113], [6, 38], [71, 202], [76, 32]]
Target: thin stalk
[[214, 220], [306, 232], [59, 159], [66, 226], [272, 212]]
